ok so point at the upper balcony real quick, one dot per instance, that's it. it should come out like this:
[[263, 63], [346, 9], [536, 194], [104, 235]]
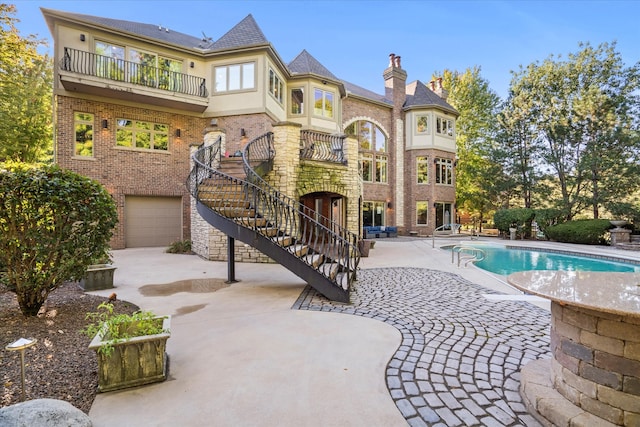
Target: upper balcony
[[87, 72], [322, 147]]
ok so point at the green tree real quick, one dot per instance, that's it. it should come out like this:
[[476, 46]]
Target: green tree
[[53, 224], [518, 145], [581, 117], [477, 176], [25, 94]]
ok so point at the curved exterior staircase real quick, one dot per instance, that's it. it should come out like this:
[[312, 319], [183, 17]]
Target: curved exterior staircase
[[232, 195]]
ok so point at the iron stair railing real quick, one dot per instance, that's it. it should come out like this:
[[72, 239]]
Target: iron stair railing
[[322, 147], [318, 250]]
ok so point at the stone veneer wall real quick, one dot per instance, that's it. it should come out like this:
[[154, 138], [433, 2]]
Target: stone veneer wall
[[596, 362], [291, 177], [209, 242]]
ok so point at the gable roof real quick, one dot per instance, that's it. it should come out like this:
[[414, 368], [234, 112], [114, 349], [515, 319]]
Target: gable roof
[[419, 95], [304, 63], [245, 33]]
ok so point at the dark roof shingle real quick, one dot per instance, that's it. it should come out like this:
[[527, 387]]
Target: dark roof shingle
[[304, 63], [245, 33], [419, 95]]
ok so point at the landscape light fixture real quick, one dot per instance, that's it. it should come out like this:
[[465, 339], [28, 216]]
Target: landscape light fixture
[[20, 345]]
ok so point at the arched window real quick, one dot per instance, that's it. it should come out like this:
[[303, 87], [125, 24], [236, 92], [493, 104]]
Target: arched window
[[373, 146]]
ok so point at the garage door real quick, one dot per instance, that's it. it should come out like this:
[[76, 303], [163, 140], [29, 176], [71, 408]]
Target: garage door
[[152, 221]]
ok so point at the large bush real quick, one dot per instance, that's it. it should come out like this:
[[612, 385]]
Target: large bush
[[586, 231], [518, 218], [546, 218], [53, 224]]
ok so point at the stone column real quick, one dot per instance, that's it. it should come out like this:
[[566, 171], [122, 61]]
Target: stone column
[[286, 141], [201, 231], [354, 186]]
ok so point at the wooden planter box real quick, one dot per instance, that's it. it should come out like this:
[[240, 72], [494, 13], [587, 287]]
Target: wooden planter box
[[135, 361], [98, 276]]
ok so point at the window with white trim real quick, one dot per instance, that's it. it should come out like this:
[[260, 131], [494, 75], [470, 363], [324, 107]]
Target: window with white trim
[[323, 103], [381, 169], [140, 134], [366, 160], [109, 60], [235, 77], [444, 171], [373, 143], [444, 126], [83, 125], [275, 86]]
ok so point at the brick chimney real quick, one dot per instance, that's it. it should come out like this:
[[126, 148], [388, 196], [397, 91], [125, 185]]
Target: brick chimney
[[395, 82], [436, 87]]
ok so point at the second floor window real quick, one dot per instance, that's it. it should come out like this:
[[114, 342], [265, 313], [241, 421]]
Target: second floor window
[[235, 77], [297, 101], [323, 103], [367, 167], [275, 86], [110, 61], [139, 134], [444, 171], [373, 145]]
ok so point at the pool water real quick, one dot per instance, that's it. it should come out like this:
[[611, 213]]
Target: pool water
[[503, 260]]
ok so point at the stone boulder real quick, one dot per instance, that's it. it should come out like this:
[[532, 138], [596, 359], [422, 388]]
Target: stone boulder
[[43, 413]]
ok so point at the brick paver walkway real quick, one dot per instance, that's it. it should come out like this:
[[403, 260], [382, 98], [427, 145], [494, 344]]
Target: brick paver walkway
[[459, 360]]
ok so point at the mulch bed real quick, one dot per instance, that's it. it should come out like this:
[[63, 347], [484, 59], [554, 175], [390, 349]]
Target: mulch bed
[[60, 365]]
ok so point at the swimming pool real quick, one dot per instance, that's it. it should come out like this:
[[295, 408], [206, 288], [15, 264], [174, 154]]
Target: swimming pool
[[506, 260]]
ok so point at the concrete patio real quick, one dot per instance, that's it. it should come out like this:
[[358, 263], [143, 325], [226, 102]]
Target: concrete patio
[[267, 352]]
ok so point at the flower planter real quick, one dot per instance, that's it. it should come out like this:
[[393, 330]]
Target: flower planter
[[134, 361], [98, 276]]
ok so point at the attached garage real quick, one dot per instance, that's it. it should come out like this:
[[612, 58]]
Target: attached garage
[[152, 221]]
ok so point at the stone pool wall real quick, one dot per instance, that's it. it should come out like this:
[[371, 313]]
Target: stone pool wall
[[596, 362]]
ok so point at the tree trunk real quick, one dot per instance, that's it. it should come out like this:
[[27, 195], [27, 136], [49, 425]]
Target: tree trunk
[[30, 302]]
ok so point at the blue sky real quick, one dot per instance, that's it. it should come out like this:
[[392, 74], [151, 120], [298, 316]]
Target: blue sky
[[354, 38]]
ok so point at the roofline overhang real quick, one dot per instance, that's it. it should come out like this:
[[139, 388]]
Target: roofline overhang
[[433, 107], [52, 16], [370, 100], [299, 76]]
